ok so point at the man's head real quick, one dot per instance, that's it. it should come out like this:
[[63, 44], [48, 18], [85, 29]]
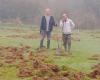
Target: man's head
[[64, 16], [47, 12]]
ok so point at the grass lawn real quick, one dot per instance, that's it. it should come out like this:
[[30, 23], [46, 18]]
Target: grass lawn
[[82, 50]]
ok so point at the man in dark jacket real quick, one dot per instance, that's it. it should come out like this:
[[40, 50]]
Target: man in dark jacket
[[46, 27]]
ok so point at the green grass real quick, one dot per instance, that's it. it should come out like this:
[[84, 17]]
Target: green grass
[[81, 51]]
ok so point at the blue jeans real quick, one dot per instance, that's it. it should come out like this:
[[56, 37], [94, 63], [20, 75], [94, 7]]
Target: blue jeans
[[46, 34]]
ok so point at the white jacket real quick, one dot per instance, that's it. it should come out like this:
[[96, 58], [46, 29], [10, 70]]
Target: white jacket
[[67, 26]]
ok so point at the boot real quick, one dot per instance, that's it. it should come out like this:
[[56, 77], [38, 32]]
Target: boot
[[69, 49], [48, 44], [65, 47], [41, 43]]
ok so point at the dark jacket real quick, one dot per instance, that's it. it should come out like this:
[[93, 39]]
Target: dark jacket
[[44, 23]]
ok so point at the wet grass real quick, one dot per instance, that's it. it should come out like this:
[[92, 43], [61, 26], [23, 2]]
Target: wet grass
[[81, 50]]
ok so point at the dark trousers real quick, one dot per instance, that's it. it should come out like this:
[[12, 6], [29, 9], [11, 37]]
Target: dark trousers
[[67, 42], [43, 35]]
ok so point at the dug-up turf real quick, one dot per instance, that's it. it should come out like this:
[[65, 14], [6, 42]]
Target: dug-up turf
[[38, 66], [95, 57], [95, 74]]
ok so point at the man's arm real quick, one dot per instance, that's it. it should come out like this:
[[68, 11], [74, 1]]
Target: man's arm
[[61, 23], [41, 24], [54, 24], [72, 24]]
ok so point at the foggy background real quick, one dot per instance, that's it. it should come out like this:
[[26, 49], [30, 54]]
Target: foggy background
[[85, 13]]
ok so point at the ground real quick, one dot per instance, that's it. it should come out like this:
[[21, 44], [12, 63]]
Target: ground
[[85, 44]]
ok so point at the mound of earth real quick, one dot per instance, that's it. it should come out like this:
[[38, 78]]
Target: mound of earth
[[96, 72], [23, 36], [42, 70], [39, 66], [95, 57], [9, 55]]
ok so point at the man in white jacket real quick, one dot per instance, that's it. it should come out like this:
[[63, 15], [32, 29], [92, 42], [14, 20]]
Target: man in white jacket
[[67, 25]]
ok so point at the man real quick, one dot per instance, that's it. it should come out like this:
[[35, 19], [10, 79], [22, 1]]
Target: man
[[46, 27], [67, 25]]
